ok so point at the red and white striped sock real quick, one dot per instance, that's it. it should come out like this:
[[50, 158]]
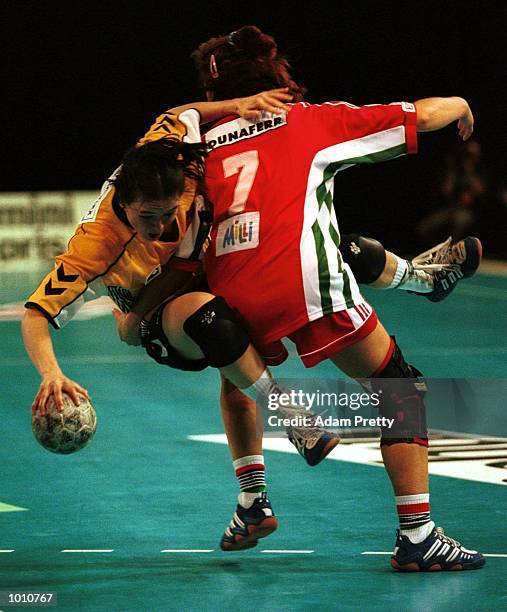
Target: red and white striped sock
[[414, 514], [250, 472]]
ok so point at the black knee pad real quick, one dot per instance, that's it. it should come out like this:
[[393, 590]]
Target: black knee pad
[[401, 398], [217, 332], [365, 256]]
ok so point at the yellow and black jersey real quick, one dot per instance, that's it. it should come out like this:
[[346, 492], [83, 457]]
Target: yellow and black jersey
[[106, 256]]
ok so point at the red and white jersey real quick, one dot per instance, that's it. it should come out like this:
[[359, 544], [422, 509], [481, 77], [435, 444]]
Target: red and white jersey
[[274, 251]]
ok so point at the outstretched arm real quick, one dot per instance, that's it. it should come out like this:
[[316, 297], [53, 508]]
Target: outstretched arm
[[435, 113], [39, 346], [272, 101]]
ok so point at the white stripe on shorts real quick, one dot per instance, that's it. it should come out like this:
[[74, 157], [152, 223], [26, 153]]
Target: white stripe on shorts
[[357, 322]]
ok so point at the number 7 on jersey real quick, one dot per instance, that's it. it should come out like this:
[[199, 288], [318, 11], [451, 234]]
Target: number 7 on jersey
[[245, 166]]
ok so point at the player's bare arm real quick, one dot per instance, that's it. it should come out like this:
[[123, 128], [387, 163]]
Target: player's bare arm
[[435, 113], [272, 101], [171, 282], [38, 345]]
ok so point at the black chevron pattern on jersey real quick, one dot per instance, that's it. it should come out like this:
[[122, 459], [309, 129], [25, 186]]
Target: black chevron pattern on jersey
[[165, 129], [50, 290], [169, 128], [65, 278], [169, 120]]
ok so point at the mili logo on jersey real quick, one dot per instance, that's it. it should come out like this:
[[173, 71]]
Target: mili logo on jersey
[[239, 233], [240, 129]]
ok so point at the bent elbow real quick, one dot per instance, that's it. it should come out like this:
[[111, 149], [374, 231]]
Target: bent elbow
[[423, 120]]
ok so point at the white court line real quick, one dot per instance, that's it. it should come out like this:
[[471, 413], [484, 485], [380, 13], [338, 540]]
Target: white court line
[[378, 552], [289, 552], [369, 454], [6, 551], [87, 550], [187, 550]]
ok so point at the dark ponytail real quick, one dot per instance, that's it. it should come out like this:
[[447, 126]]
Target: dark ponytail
[[243, 63], [157, 170]]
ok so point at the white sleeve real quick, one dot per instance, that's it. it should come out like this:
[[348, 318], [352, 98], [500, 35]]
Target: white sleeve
[[191, 120], [194, 243]]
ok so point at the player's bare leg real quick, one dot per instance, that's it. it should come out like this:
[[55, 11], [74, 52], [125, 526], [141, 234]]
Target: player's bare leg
[[212, 333], [239, 414], [253, 518], [406, 464], [201, 325], [387, 275], [419, 545], [434, 273]]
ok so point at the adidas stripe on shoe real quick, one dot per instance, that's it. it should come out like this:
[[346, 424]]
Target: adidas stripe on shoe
[[437, 552], [449, 264], [248, 525]]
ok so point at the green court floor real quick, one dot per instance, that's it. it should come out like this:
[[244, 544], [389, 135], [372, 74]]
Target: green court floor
[[142, 486]]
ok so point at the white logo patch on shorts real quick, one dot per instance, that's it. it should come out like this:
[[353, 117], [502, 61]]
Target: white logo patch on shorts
[[157, 271], [238, 233]]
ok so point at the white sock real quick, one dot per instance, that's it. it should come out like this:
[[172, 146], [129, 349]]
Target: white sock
[[416, 536], [401, 269], [419, 281], [247, 499], [264, 386]]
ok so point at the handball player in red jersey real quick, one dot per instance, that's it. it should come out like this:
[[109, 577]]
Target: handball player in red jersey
[[274, 255]]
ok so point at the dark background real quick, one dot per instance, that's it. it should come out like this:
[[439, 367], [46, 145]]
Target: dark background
[[83, 80]]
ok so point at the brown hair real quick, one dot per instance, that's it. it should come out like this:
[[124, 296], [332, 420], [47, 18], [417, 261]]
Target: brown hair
[[243, 63], [157, 169]]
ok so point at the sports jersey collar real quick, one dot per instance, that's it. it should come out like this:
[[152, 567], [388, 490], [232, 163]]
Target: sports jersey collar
[[218, 122]]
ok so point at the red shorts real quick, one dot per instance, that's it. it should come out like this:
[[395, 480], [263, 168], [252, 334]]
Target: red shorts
[[324, 337]]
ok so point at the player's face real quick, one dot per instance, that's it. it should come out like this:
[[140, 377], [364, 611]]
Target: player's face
[[152, 219]]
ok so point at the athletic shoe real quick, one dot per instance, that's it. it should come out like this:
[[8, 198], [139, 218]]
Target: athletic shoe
[[248, 525], [437, 552], [449, 263], [313, 443]]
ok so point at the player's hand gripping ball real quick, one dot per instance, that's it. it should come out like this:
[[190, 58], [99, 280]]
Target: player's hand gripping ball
[[67, 431]]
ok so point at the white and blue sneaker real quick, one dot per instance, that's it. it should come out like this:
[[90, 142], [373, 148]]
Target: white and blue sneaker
[[248, 525], [436, 553], [313, 443], [448, 264]]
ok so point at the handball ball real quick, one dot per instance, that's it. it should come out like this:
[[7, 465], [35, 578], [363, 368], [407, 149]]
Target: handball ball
[[67, 431]]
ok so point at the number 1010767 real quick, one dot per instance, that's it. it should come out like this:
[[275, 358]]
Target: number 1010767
[[12, 598]]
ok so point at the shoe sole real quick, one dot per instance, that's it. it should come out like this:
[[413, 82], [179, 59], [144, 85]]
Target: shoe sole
[[255, 533], [439, 297], [332, 443], [413, 567], [477, 263]]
